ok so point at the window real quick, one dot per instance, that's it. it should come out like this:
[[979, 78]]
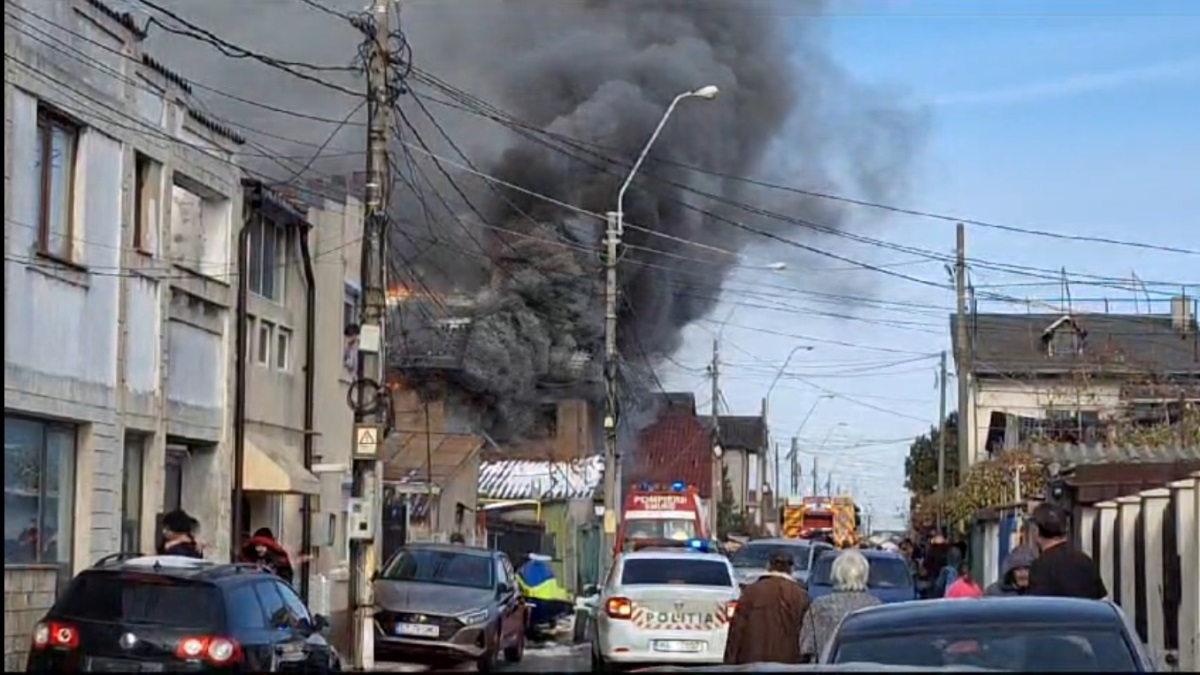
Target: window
[[884, 572], [448, 568], [146, 204], [676, 571], [272, 602], [349, 307], [115, 598], [269, 256], [1065, 342], [173, 478], [266, 333], [39, 486], [57, 145], [200, 222], [131, 494], [292, 601], [283, 349], [546, 423], [243, 609]]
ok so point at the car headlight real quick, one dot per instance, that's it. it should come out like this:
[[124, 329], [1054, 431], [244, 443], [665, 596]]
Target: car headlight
[[470, 618]]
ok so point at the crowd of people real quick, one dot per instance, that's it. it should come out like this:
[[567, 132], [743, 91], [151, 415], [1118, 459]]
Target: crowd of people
[[776, 622], [180, 537]]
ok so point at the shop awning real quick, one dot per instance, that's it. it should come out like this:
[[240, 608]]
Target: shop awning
[[266, 469]]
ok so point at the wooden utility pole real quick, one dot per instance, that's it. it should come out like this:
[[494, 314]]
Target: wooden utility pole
[[612, 459], [941, 448], [369, 413], [963, 366]]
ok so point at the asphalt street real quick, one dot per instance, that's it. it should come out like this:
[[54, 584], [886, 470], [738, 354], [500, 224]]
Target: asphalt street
[[547, 658]]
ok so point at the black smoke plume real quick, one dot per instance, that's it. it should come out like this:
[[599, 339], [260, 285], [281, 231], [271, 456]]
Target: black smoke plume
[[600, 72]]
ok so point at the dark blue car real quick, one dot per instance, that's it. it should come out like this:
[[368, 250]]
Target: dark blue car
[[889, 579]]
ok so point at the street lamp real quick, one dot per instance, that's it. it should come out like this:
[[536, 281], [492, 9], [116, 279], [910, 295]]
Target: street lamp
[[615, 228]]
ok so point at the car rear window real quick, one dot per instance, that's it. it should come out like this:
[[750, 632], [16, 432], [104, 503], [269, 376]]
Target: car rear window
[[758, 555], [640, 571], [1016, 648], [885, 572], [141, 599]]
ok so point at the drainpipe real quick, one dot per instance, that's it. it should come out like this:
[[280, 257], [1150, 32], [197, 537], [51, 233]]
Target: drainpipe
[[239, 380], [310, 389]]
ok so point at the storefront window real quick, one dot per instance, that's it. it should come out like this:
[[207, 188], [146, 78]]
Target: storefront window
[[131, 494], [39, 487]]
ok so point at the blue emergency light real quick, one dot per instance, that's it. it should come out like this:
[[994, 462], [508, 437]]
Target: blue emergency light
[[700, 545], [678, 486]]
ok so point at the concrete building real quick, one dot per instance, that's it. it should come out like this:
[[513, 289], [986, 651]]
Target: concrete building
[[1065, 377], [744, 452], [119, 208]]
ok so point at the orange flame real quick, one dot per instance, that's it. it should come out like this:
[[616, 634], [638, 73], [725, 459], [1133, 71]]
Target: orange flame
[[399, 292]]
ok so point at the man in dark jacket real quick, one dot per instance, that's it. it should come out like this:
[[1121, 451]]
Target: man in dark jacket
[[1060, 570], [179, 535], [766, 625]]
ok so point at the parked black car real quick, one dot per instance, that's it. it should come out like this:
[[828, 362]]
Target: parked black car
[[441, 603], [1022, 634], [153, 614]]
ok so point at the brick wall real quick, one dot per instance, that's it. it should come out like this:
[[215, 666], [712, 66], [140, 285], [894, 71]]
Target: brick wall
[[28, 593]]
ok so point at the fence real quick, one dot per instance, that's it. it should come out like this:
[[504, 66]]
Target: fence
[[1146, 546]]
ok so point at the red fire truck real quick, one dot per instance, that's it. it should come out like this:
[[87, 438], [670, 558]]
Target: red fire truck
[[657, 515]]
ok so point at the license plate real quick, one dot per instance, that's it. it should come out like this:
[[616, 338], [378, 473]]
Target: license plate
[[98, 665], [417, 630], [679, 646]]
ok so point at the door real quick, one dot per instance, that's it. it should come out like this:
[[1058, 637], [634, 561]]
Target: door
[[512, 606], [317, 649], [288, 643]]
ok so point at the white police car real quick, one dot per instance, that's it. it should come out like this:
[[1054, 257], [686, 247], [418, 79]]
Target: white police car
[[665, 606]]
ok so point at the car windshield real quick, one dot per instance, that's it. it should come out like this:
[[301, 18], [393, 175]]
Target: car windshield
[[997, 647], [681, 571], [434, 566], [143, 599], [660, 528], [886, 572], [758, 555]]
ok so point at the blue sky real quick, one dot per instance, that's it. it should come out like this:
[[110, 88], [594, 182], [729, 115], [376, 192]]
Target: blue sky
[[1068, 116]]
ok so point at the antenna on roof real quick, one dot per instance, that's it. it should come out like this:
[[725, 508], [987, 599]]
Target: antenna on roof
[[1065, 301]]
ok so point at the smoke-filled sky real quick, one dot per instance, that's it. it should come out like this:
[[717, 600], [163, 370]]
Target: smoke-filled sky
[[600, 72]]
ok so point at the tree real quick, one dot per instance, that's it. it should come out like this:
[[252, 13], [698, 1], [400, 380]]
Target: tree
[[729, 519], [921, 465]]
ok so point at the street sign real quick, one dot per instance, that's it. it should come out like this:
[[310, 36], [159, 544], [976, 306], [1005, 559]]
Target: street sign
[[366, 441]]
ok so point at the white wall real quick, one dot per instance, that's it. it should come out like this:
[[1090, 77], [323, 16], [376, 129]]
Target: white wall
[[196, 368], [143, 325], [77, 311]]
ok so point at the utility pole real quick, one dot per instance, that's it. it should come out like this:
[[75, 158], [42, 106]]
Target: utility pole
[[816, 490], [612, 460], [941, 449], [717, 465], [963, 367], [794, 461], [370, 413]]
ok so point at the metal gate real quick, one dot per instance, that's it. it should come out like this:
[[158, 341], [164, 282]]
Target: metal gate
[[516, 540], [588, 553]]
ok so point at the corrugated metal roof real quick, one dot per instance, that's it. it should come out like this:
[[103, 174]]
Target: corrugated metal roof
[[524, 479], [1087, 455]]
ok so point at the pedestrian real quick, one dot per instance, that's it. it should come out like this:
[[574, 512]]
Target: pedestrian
[[964, 586], [1014, 579], [1059, 569], [263, 549], [179, 535], [849, 574], [948, 574], [767, 622]]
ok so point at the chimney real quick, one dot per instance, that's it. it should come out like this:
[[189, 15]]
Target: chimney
[[1181, 314]]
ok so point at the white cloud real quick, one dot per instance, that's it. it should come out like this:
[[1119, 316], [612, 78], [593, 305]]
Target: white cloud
[[1075, 85]]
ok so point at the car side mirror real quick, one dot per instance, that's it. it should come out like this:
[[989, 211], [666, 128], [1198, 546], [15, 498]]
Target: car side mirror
[[281, 619]]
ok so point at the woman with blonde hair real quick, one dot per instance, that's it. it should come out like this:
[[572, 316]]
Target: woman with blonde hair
[[849, 574]]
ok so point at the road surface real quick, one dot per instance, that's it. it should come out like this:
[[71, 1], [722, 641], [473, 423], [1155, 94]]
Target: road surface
[[547, 658]]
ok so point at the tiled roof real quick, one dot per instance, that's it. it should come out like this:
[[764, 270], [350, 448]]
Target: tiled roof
[[1013, 343], [744, 432], [1089, 455], [675, 448], [407, 456], [520, 479]]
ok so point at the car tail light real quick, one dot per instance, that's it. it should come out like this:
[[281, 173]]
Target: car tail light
[[218, 651], [730, 609], [54, 634], [619, 608]]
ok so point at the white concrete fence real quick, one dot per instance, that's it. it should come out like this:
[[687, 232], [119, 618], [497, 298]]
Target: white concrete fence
[[1147, 546]]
